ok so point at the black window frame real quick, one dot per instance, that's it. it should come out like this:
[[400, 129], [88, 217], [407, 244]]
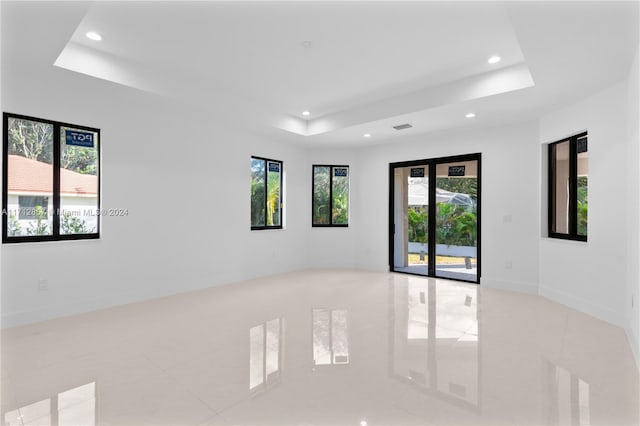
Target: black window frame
[[56, 234], [573, 189], [313, 186], [266, 192]]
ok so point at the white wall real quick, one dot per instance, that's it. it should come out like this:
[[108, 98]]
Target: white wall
[[509, 173], [601, 277], [169, 167], [591, 276], [633, 210], [332, 247]]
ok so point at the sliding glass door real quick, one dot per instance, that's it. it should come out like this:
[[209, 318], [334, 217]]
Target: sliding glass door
[[457, 220], [411, 210], [434, 210]]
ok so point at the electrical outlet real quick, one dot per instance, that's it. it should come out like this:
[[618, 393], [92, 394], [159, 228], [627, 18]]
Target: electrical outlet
[[508, 264], [43, 285], [507, 218]]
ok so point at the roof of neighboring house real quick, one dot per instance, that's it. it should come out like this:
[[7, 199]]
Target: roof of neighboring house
[[26, 175]]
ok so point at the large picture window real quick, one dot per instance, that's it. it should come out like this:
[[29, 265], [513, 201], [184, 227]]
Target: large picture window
[[266, 193], [51, 180], [330, 204], [568, 188]]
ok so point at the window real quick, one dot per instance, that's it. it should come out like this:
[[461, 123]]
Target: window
[[568, 188], [30, 207], [266, 193], [330, 204], [51, 180]]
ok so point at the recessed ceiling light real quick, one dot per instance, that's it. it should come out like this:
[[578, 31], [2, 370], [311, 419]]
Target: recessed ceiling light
[[367, 135], [470, 115], [363, 423], [92, 35], [306, 113], [494, 59], [306, 44]]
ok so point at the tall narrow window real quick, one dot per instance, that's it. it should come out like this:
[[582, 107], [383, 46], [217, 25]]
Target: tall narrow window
[[51, 180], [568, 188], [330, 204], [266, 193]]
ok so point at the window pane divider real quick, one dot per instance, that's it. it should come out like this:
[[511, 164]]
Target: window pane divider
[[573, 186], [56, 179]]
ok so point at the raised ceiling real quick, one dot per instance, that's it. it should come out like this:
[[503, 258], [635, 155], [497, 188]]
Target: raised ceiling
[[359, 67]]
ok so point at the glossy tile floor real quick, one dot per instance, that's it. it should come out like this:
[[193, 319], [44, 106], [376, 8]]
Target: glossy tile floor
[[323, 348]]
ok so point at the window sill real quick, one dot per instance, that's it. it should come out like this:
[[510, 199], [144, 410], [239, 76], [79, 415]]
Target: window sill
[[18, 243], [568, 241]]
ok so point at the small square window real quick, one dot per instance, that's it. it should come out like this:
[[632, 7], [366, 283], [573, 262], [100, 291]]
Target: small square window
[[33, 207]]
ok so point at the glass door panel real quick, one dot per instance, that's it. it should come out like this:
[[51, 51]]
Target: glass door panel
[[456, 227], [411, 213]]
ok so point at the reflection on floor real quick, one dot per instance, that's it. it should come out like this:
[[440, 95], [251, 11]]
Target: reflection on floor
[[456, 272], [330, 338], [323, 348], [436, 350], [72, 407]]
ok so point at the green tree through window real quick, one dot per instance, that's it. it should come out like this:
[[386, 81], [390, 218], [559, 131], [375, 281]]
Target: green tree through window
[[266, 193], [330, 202]]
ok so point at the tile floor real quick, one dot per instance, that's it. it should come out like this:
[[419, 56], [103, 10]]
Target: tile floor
[[323, 348]]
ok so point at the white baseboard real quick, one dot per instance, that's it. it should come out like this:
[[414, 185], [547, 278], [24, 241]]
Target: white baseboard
[[521, 287], [586, 306], [15, 319], [18, 318]]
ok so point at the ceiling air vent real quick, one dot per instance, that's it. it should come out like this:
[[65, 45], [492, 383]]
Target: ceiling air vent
[[403, 126]]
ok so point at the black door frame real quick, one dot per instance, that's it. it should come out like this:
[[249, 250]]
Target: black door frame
[[431, 163]]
